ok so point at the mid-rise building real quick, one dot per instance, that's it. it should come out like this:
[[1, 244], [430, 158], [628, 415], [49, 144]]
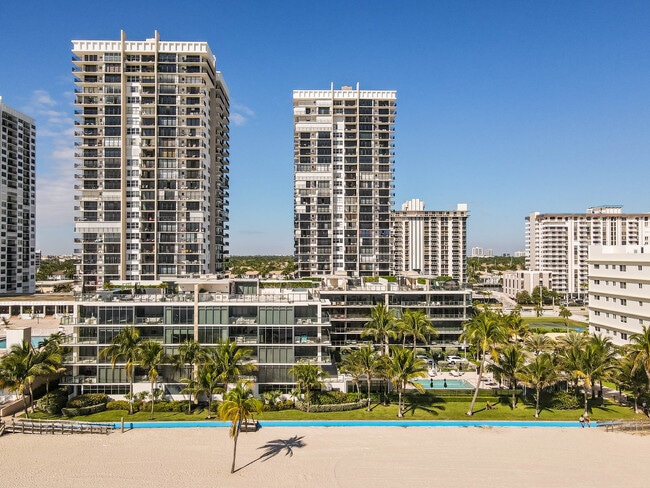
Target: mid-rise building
[[348, 302], [18, 200], [515, 282], [343, 180], [430, 242], [619, 291], [152, 158], [559, 243], [477, 252]]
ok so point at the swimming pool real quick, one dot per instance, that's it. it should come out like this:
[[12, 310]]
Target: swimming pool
[[35, 341], [452, 384]]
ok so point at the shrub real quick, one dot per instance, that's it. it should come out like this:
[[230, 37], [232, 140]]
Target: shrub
[[564, 400], [77, 412], [276, 407], [340, 407], [53, 402], [331, 397], [117, 405], [88, 400]]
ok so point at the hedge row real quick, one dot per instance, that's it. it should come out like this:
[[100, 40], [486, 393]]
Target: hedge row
[[88, 400], [76, 412], [341, 407]]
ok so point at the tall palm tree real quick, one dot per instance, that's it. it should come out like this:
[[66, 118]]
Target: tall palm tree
[[230, 361], [53, 344], [565, 313], [381, 326], [639, 351], [308, 376], [633, 379], [417, 324], [538, 343], [125, 348], [609, 356], [405, 368], [485, 331], [208, 382], [238, 406], [189, 352], [152, 357], [369, 363], [517, 328], [539, 374], [509, 362], [350, 365]]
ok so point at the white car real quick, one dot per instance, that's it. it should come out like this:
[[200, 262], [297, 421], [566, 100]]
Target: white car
[[455, 359]]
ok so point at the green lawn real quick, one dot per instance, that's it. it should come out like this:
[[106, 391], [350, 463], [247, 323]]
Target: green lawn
[[553, 323], [421, 408]]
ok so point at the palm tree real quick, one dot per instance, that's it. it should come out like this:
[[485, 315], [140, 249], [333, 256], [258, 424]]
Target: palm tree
[[208, 382], [538, 343], [191, 388], [152, 357], [230, 362], [639, 351], [609, 354], [416, 324], [53, 344], [538, 374], [125, 348], [381, 326], [632, 379], [517, 328], [485, 331], [510, 360], [308, 376], [189, 352], [565, 313], [238, 406], [350, 365], [405, 368], [22, 365]]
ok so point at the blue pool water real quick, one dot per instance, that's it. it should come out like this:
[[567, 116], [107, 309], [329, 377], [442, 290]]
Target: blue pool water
[[35, 341], [359, 423], [452, 384]]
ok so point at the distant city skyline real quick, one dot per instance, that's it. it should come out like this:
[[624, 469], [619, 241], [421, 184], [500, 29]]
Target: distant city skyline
[[510, 106]]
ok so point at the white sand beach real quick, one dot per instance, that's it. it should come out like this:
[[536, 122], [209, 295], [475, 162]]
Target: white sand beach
[[329, 456]]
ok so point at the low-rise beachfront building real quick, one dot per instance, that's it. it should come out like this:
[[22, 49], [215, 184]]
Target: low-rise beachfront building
[[619, 291], [515, 282], [281, 322], [348, 302]]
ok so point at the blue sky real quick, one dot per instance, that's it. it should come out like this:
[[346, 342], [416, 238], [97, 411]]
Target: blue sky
[[509, 106]]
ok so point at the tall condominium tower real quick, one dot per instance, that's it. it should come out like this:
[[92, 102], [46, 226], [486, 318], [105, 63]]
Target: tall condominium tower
[[152, 154], [559, 243], [343, 180], [18, 200], [431, 242]]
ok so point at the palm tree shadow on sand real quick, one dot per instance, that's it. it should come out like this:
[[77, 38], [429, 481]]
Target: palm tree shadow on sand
[[275, 447]]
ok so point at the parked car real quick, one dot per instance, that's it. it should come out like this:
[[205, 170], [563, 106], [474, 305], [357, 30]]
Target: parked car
[[455, 359]]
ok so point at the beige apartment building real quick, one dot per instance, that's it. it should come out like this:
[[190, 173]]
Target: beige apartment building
[[152, 160], [430, 242]]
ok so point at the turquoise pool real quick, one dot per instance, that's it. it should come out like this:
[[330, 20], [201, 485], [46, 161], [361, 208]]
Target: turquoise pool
[[35, 341], [452, 384]]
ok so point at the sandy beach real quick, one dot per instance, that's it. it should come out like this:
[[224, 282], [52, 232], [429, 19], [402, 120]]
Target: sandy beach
[[329, 456]]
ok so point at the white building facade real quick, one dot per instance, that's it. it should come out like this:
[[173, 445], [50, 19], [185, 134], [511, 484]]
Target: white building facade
[[18, 200], [344, 152], [515, 282], [430, 242], [559, 243], [619, 291], [152, 159]]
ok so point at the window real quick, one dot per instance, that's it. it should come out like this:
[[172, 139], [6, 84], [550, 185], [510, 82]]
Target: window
[[623, 301], [622, 267], [623, 336], [623, 285], [596, 282], [596, 266], [623, 319]]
